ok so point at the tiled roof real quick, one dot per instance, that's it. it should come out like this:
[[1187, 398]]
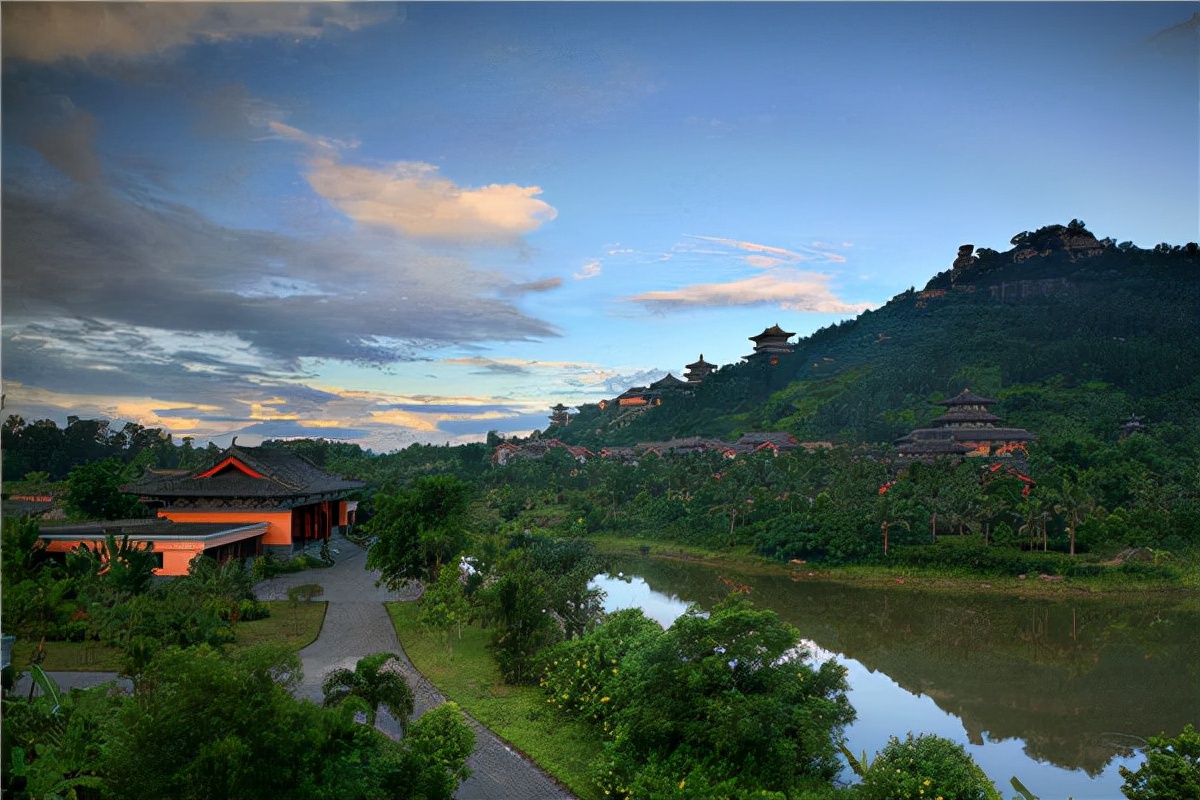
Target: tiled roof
[[669, 381], [247, 472], [967, 398], [144, 528], [777, 438], [771, 333]]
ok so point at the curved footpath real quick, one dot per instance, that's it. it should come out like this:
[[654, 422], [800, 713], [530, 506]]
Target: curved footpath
[[356, 624]]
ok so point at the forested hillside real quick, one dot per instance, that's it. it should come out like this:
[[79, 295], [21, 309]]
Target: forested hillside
[[1061, 315]]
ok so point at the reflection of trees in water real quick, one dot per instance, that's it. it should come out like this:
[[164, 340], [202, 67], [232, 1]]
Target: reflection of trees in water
[[1079, 682]]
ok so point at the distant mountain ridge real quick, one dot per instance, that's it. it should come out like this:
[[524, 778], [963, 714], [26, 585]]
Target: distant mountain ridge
[[1060, 307]]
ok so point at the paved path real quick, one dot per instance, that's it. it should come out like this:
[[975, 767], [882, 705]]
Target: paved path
[[356, 624]]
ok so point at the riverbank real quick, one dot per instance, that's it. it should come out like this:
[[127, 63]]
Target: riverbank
[[1185, 590]]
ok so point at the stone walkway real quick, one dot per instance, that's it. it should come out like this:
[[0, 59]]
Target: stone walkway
[[356, 624]]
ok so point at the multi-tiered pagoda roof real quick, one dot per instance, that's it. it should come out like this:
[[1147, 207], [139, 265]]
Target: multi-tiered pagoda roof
[[698, 370], [772, 341], [968, 428]]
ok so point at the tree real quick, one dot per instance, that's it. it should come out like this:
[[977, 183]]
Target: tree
[[375, 681], [1076, 502], [130, 566], [94, 493], [1171, 770], [726, 698], [444, 602], [418, 529], [438, 745]]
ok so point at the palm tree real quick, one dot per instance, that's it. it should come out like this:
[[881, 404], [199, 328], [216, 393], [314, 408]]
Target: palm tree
[[375, 681], [1076, 503]]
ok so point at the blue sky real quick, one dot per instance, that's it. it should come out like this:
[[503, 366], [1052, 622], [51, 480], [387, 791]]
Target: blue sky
[[397, 223]]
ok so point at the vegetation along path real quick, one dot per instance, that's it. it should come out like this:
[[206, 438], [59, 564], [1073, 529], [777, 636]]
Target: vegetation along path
[[357, 624]]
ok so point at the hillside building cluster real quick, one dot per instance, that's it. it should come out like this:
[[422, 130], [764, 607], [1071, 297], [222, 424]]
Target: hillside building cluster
[[771, 343], [773, 442]]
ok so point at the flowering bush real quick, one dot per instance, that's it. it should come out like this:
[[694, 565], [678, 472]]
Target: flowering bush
[[580, 675], [925, 767]]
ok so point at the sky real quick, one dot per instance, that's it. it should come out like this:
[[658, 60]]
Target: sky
[[389, 224]]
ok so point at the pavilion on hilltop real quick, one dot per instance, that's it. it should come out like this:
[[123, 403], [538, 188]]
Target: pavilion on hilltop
[[698, 370], [772, 342], [560, 415], [967, 429]]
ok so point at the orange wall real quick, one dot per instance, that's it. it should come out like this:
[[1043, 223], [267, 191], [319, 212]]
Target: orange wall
[[279, 523], [177, 555]]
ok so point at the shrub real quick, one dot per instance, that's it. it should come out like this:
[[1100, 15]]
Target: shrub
[[925, 766], [305, 592], [1171, 770]]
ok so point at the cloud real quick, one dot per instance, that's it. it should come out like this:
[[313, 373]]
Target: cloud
[[544, 285], [63, 135], [751, 246], [588, 270], [111, 302], [231, 111], [766, 256], [788, 289], [163, 267], [50, 32], [411, 198]]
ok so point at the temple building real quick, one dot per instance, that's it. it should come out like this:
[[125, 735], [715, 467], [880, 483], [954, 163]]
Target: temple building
[[669, 383], [560, 416], [967, 429], [773, 342], [295, 502], [698, 370], [652, 395], [175, 544]]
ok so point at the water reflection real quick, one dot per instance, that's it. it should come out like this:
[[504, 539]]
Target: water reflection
[[1058, 694]]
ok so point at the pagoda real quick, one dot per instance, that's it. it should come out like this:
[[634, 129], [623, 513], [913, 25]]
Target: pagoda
[[967, 429], [560, 416], [773, 341], [698, 370]]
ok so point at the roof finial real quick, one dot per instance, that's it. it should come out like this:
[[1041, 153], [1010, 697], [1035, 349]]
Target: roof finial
[[233, 442]]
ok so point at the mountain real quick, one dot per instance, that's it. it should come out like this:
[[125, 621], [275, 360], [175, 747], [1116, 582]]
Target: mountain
[[1061, 326]]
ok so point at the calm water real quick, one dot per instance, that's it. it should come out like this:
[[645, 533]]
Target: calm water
[[1059, 694]]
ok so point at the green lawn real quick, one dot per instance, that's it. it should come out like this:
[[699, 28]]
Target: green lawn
[[464, 671], [295, 624]]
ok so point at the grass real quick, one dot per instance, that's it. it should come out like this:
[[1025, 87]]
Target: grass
[[905, 577], [464, 671], [295, 624]]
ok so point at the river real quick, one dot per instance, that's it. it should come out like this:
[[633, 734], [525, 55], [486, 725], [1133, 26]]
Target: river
[[1059, 694]]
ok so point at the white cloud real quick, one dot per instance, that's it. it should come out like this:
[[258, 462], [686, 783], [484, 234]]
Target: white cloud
[[588, 270], [789, 289]]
